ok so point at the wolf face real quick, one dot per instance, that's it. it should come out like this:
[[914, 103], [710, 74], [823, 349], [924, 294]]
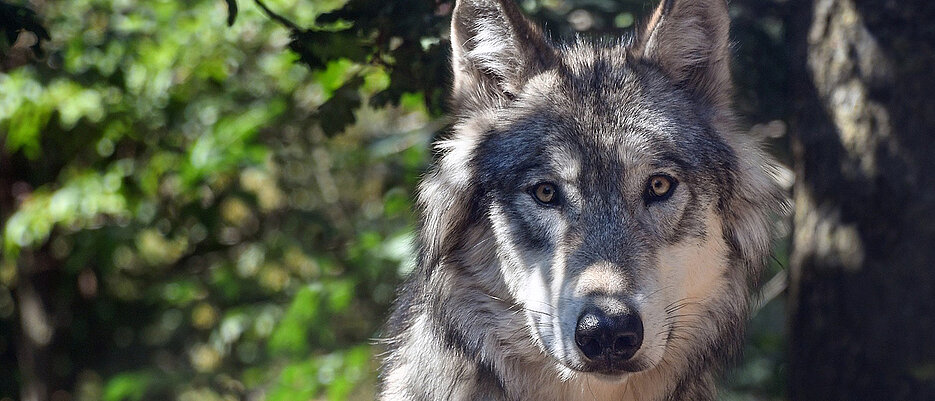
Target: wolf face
[[592, 198], [602, 194]]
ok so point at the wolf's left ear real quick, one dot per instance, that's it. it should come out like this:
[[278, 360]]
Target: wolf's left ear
[[689, 40], [495, 50]]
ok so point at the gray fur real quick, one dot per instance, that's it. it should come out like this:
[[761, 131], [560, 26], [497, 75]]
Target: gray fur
[[501, 279]]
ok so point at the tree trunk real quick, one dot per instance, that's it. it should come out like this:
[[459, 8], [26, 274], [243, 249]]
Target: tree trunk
[[863, 280], [34, 351], [40, 308]]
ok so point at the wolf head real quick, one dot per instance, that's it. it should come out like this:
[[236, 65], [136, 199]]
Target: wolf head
[[599, 187]]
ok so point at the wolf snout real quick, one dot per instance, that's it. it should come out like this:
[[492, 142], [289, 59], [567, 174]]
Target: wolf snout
[[609, 337]]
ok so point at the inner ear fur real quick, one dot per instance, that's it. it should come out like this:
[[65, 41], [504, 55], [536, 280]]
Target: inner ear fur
[[495, 50], [688, 40]]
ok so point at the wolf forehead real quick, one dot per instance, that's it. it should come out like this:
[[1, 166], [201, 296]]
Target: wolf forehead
[[604, 112]]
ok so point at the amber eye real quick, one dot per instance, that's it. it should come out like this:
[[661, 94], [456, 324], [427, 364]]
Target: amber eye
[[660, 187], [545, 193]]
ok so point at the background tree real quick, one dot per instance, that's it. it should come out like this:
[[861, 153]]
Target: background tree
[[863, 315]]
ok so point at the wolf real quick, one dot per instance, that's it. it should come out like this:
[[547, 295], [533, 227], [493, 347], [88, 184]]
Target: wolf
[[594, 223]]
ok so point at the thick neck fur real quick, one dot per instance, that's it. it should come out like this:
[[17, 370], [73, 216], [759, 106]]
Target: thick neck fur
[[469, 325]]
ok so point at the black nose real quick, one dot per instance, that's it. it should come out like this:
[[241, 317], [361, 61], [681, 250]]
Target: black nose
[[609, 337]]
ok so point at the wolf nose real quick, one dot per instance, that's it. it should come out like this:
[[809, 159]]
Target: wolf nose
[[612, 338]]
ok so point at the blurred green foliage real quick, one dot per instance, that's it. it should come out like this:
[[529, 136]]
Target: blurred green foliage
[[208, 200]]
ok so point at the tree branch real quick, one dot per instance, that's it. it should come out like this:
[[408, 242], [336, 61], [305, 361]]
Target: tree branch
[[278, 18]]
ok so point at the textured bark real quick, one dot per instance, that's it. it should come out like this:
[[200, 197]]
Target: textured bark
[[863, 281]]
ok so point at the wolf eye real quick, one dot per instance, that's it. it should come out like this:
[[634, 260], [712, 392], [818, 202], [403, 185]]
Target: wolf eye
[[545, 193], [659, 187]]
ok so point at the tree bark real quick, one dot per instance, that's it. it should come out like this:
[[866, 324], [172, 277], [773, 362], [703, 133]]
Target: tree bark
[[863, 281]]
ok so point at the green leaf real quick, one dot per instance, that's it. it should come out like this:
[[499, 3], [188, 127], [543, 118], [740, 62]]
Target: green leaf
[[24, 128], [291, 334], [128, 386], [338, 112]]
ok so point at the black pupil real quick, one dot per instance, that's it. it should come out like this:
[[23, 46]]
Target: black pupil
[[659, 185], [545, 191]]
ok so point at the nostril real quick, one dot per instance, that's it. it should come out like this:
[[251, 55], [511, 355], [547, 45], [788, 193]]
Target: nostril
[[590, 347], [626, 344], [626, 340]]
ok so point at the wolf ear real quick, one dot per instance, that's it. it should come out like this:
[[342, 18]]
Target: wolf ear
[[495, 49], [688, 39]]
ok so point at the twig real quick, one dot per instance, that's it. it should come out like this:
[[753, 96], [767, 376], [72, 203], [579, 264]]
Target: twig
[[278, 18], [775, 286]]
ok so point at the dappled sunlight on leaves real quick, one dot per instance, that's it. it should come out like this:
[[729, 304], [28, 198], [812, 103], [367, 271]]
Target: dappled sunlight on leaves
[[179, 170]]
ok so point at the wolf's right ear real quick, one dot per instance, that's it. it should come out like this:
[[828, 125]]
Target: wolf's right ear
[[495, 49], [688, 39]]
